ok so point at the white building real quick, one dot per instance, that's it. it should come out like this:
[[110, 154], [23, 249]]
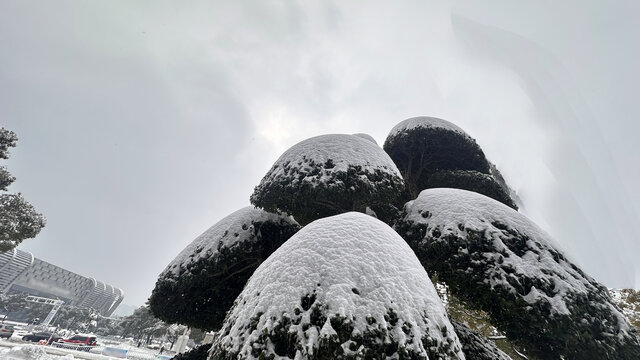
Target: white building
[[20, 271]]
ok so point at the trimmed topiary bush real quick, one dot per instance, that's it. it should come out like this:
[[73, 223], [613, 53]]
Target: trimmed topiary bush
[[201, 283], [343, 287], [421, 146], [328, 175], [497, 260]]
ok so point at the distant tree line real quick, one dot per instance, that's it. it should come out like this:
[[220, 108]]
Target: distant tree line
[[142, 326]]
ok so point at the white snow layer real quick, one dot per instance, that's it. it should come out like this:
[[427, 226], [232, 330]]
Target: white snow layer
[[366, 136], [424, 122], [228, 232], [341, 149], [35, 352], [341, 253], [449, 208]]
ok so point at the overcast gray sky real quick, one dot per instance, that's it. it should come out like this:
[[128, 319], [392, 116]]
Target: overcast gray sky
[[142, 123]]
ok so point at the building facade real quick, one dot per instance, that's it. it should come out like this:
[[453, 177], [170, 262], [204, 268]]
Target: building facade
[[21, 272]]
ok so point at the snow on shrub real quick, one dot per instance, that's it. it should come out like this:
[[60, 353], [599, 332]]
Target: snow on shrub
[[366, 136], [420, 146], [497, 260], [199, 286], [343, 287], [328, 175], [473, 181]]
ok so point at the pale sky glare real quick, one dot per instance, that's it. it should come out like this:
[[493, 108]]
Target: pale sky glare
[[143, 123]]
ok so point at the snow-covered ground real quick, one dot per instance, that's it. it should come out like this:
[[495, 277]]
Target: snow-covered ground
[[29, 352], [18, 350]]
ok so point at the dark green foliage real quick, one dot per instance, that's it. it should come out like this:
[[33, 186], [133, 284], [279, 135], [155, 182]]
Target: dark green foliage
[[199, 353], [473, 181], [387, 213], [497, 176], [422, 151], [467, 264], [201, 295], [351, 190], [18, 219]]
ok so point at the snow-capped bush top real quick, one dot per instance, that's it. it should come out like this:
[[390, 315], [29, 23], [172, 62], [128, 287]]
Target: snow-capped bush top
[[351, 267], [424, 122], [336, 152], [328, 175], [366, 136], [454, 211], [228, 232]]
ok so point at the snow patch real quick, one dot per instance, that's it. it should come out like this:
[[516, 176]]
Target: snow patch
[[30, 352], [337, 152], [366, 136], [424, 122]]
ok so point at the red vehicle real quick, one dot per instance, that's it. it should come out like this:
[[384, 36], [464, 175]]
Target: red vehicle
[[80, 340]]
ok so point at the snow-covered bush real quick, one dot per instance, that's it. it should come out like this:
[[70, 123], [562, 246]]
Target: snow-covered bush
[[343, 287], [471, 180], [496, 259], [198, 353], [328, 175], [201, 283], [421, 146]]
